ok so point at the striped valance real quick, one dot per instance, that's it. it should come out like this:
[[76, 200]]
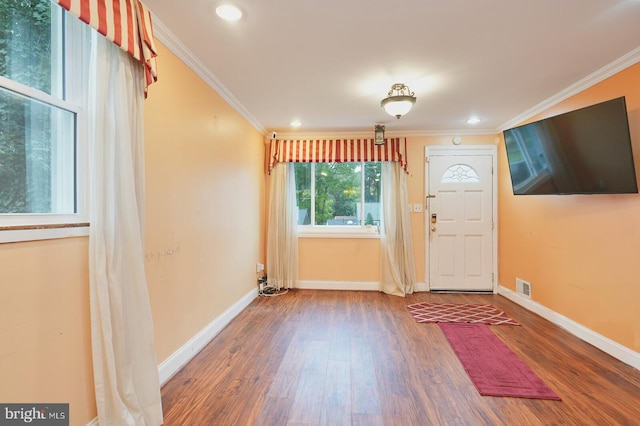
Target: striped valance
[[336, 151], [125, 22]]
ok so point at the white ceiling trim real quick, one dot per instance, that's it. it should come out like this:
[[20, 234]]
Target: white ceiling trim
[[592, 79], [388, 133], [178, 48]]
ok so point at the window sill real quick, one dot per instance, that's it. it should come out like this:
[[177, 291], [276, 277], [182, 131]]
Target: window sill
[[14, 234], [338, 232]]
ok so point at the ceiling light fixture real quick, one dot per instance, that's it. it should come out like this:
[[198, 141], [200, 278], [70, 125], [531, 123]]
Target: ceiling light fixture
[[399, 100], [473, 120], [228, 12]]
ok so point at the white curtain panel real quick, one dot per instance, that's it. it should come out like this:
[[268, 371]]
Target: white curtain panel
[[282, 237], [124, 355], [397, 268]]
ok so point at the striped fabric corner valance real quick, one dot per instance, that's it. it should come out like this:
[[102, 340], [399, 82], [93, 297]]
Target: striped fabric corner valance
[[336, 151], [127, 23]]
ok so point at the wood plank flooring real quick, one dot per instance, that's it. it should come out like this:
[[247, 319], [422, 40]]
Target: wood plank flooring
[[358, 358]]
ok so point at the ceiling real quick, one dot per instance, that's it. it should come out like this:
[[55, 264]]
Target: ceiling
[[329, 63]]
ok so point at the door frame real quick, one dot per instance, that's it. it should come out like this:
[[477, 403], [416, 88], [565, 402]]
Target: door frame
[[470, 150]]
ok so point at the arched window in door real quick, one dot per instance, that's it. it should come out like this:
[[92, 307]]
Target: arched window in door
[[460, 173]]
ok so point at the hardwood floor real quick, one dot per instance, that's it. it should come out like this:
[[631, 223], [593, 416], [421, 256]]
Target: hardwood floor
[[358, 358]]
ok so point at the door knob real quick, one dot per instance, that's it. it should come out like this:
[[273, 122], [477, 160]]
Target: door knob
[[433, 228]]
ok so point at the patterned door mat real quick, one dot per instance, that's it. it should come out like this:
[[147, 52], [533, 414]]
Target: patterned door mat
[[451, 312]]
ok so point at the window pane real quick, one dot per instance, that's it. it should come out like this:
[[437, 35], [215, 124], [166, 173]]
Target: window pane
[[303, 192], [37, 156], [338, 193], [372, 176], [30, 47], [333, 194]]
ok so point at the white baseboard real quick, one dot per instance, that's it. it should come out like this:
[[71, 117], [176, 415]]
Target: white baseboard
[[601, 342], [349, 285], [421, 287], [182, 356], [339, 285]]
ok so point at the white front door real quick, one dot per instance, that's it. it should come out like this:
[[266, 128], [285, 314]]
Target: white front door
[[460, 222]]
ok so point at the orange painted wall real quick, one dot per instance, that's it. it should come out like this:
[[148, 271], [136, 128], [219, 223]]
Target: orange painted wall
[[45, 354], [416, 184], [579, 252], [205, 204], [350, 259], [204, 234], [357, 260]]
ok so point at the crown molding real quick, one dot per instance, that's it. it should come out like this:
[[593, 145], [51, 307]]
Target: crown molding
[[592, 79], [458, 132], [389, 133], [178, 48]]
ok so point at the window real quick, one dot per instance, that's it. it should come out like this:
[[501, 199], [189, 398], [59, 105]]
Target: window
[[338, 195], [40, 157], [460, 173]]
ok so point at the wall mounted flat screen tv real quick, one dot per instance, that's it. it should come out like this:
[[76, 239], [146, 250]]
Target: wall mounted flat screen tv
[[586, 151]]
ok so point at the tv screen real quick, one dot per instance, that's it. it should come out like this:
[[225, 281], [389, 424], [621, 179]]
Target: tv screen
[[586, 151]]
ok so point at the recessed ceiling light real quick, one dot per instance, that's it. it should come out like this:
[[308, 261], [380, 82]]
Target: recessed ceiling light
[[295, 123], [473, 120], [228, 12]]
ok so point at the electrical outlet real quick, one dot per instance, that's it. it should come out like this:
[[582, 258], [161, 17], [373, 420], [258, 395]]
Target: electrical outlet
[[259, 267], [417, 207]]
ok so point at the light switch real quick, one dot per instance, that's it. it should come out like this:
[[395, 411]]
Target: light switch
[[417, 207]]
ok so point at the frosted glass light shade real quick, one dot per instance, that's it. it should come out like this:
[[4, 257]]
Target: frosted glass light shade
[[399, 101], [397, 107]]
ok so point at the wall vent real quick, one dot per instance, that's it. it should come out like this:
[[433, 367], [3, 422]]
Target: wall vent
[[523, 287]]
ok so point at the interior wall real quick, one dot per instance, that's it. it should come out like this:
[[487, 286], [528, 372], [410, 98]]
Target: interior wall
[[204, 235], [356, 260], [45, 355], [204, 204], [417, 191], [351, 260], [579, 252]]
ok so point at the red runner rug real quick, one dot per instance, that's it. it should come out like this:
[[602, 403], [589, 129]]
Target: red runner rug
[[492, 367], [450, 312]]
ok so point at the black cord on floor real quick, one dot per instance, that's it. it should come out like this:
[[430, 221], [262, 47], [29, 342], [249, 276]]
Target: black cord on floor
[[270, 291]]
